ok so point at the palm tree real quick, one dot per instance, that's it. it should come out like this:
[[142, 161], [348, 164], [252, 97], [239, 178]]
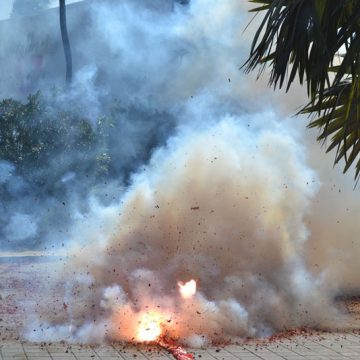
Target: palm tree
[[318, 42], [65, 41]]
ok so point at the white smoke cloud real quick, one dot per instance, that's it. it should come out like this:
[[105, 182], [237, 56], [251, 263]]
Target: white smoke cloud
[[6, 171], [229, 200], [223, 203], [21, 227]]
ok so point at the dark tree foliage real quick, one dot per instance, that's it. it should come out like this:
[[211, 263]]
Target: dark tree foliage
[[53, 157], [47, 138], [45, 142]]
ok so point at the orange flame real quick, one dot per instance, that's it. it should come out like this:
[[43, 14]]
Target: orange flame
[[149, 327], [151, 324], [187, 290]]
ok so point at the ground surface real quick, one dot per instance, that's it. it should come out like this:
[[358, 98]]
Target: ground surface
[[19, 289], [310, 347]]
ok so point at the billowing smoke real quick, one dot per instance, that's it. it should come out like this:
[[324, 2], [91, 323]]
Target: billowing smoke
[[133, 74], [223, 203], [206, 181]]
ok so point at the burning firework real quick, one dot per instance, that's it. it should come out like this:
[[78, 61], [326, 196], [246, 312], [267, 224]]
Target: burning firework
[[244, 242], [150, 331], [152, 323], [224, 201], [177, 351], [187, 290], [149, 327]]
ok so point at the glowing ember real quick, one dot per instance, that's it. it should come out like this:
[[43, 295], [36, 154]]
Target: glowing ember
[[177, 351], [149, 327], [181, 354], [188, 289]]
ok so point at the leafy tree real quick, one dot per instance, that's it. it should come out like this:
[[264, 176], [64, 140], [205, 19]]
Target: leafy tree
[[45, 142], [65, 41], [318, 42]]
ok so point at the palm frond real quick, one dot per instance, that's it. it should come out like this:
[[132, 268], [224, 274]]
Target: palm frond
[[302, 39], [339, 119]]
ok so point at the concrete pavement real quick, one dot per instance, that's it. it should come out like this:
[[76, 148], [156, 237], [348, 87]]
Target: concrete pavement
[[18, 285], [322, 346]]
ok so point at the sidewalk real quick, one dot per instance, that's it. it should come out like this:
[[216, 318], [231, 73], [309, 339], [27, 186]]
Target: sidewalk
[[18, 283], [313, 347]]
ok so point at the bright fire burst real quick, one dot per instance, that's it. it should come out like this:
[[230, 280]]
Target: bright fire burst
[[150, 324], [149, 327], [188, 289]]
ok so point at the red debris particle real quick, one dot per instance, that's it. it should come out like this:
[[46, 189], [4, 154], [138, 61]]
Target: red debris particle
[[178, 352]]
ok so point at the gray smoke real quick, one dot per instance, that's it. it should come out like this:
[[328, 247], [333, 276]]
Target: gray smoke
[[224, 204], [21, 8], [208, 180]]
